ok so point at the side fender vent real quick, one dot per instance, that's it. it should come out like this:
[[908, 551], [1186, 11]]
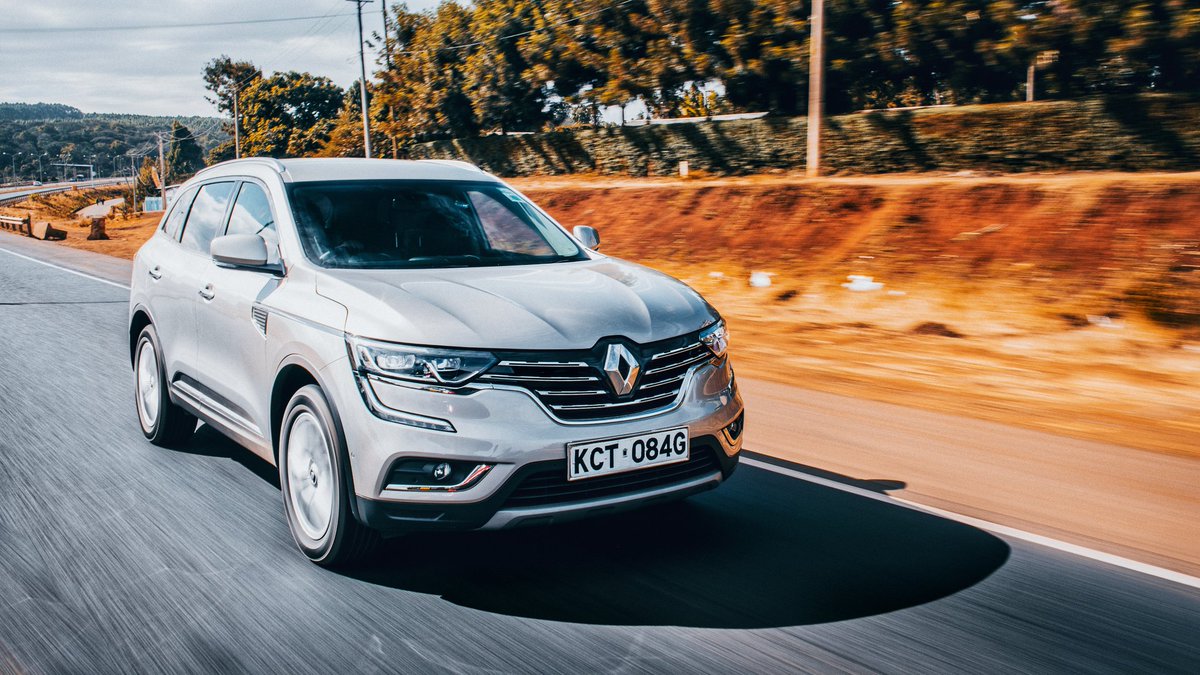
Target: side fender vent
[[259, 314]]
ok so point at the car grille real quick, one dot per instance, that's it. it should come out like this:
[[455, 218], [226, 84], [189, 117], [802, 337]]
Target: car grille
[[574, 386], [550, 485]]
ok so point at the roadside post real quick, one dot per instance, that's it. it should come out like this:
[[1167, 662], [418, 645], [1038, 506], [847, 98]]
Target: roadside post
[[816, 88]]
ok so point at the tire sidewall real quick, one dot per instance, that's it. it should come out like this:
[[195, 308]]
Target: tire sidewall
[[149, 335], [312, 400]]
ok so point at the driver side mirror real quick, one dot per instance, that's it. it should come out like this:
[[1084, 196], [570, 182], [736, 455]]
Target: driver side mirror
[[240, 250], [588, 236]]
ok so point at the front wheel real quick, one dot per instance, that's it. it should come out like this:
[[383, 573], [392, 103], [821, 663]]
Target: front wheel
[[316, 493], [163, 422]]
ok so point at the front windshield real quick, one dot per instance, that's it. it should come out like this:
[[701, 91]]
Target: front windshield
[[398, 224]]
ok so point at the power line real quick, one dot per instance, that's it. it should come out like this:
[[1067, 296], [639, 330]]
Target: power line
[[162, 26]]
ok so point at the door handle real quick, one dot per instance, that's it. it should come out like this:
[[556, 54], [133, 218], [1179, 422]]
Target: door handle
[[207, 292], [155, 273]]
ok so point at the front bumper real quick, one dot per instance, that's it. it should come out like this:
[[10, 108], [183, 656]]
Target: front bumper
[[497, 512], [512, 431]]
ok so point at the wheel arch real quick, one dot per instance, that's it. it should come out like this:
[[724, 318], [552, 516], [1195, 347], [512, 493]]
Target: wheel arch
[[137, 323], [295, 372]]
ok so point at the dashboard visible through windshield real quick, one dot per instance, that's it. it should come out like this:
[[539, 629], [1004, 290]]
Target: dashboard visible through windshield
[[401, 224]]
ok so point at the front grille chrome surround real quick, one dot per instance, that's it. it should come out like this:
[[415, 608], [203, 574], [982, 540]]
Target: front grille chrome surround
[[573, 387]]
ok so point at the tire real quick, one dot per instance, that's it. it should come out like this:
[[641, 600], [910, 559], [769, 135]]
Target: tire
[[163, 422], [313, 477]]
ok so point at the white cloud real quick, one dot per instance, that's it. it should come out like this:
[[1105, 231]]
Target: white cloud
[[159, 72]]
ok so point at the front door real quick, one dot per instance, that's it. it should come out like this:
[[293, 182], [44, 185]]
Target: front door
[[232, 335]]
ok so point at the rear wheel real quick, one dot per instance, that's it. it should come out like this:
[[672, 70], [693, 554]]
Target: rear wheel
[[163, 422], [316, 491]]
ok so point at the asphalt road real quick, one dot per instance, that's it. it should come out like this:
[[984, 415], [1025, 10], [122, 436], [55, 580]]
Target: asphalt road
[[116, 555]]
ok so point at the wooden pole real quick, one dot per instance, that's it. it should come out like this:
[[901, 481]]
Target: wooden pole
[[362, 89], [816, 88], [237, 140]]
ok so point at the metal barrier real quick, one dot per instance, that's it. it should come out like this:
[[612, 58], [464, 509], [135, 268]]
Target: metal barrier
[[18, 225]]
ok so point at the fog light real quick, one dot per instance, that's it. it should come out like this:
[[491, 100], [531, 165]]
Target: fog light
[[441, 471], [434, 475], [734, 430]]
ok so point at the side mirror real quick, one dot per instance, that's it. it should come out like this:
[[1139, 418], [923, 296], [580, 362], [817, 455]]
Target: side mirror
[[588, 236], [240, 250]]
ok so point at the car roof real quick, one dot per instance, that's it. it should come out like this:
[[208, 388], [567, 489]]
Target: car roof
[[323, 169]]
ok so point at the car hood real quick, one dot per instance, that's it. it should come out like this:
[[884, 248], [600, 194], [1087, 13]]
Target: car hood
[[569, 305]]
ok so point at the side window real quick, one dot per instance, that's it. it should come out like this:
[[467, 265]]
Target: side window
[[207, 216], [179, 210], [252, 214]]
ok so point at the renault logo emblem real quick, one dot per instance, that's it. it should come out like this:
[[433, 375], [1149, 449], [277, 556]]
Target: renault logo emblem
[[622, 369]]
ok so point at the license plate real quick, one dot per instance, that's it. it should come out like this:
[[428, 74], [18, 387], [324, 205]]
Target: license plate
[[604, 457]]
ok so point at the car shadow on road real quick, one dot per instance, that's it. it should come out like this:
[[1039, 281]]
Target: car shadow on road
[[764, 550], [208, 442]]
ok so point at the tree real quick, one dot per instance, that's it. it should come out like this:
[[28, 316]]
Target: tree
[[185, 157], [224, 77], [426, 84], [502, 96], [289, 114]]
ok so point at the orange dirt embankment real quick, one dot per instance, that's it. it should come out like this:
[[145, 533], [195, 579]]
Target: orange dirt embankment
[[1065, 303], [1068, 303]]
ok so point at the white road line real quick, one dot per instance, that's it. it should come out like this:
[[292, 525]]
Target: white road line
[[1004, 530], [995, 528], [65, 269]]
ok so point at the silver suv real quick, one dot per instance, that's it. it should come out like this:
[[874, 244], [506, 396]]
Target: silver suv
[[417, 346]]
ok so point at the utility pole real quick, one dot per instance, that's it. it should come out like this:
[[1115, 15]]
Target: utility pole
[[1029, 73], [387, 55], [134, 179], [237, 141], [362, 89], [162, 173], [816, 88]]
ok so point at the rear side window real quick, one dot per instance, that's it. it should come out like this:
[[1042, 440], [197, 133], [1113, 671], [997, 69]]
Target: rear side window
[[179, 212], [251, 214], [207, 216]]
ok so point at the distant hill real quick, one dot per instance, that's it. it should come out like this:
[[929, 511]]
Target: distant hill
[[38, 111], [56, 133]]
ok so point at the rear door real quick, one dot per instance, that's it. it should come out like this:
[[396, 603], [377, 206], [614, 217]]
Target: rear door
[[169, 296], [205, 220]]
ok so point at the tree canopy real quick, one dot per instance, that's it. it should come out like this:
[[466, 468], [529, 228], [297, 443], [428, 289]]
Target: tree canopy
[[185, 156], [500, 66]]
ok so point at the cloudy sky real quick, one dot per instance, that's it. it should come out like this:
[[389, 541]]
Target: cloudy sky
[[123, 55]]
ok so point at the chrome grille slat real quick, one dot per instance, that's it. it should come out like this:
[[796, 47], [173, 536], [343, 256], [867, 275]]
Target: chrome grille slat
[[655, 385], [618, 404], [690, 362], [539, 378], [573, 386], [673, 352], [544, 364]]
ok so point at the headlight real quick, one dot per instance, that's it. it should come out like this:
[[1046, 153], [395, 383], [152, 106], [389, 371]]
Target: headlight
[[716, 338], [429, 365]]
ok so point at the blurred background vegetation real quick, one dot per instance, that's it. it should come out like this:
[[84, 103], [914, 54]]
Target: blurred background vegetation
[[494, 68], [498, 66]]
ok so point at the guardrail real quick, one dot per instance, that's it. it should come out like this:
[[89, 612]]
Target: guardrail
[[18, 225]]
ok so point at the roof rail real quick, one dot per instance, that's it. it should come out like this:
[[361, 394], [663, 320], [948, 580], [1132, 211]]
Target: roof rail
[[269, 161], [456, 162]]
